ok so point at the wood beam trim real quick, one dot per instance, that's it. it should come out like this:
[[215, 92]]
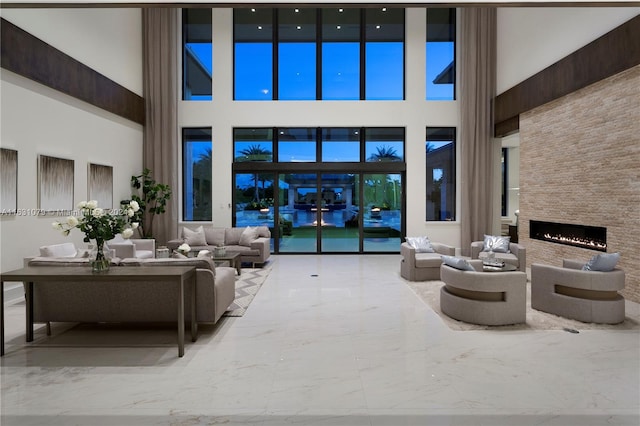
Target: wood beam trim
[[614, 52], [30, 57]]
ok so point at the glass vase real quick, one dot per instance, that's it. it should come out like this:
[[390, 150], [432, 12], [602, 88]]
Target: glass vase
[[99, 262]]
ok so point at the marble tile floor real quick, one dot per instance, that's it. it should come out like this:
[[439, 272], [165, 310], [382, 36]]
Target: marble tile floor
[[328, 340]]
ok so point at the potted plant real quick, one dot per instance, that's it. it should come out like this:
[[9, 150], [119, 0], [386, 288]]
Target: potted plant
[[152, 197]]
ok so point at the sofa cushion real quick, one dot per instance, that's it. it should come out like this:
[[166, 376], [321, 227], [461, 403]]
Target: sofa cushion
[[420, 244], [498, 244], [428, 260], [232, 236], [214, 236], [457, 262], [59, 250], [194, 237], [66, 261], [603, 262], [506, 257], [248, 236], [243, 250]]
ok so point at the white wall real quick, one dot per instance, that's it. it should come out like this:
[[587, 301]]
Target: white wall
[[531, 39], [415, 114], [38, 120]]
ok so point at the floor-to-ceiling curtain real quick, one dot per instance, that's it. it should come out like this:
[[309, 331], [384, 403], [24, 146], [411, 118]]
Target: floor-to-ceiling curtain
[[160, 147], [477, 90]]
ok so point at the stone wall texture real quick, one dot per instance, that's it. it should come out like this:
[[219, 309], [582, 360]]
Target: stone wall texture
[[580, 164]]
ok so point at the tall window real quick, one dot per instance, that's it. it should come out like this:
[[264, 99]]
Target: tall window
[[441, 53], [340, 54], [319, 54], [253, 55], [197, 55], [441, 173], [296, 54], [197, 151], [384, 57]]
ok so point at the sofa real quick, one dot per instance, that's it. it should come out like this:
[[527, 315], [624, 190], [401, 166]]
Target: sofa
[[486, 298], [253, 243], [143, 248], [416, 266], [569, 291], [117, 301]]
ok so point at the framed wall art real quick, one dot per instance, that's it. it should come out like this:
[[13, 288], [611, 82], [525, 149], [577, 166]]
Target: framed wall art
[[8, 181], [55, 183], [100, 185]]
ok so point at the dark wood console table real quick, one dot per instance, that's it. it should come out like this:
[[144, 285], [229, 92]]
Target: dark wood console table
[[178, 275]]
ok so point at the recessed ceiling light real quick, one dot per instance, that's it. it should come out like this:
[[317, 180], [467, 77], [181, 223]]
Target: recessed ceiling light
[[259, 27], [377, 27], [338, 27], [384, 9], [296, 10], [253, 10], [298, 27], [340, 10]]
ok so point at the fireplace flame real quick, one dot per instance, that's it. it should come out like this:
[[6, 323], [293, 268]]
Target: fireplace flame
[[576, 241]]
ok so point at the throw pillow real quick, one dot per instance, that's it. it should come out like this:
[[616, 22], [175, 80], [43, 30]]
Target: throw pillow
[[497, 244], [457, 262], [420, 244], [59, 250], [214, 236], [248, 236], [177, 255], [195, 237], [603, 262]]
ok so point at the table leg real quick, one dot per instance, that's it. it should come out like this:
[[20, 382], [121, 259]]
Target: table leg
[[194, 312], [2, 317], [238, 265], [181, 318], [29, 297]]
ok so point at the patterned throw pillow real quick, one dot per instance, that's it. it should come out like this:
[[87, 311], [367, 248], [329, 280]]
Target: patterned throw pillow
[[248, 235], [420, 244], [603, 262], [497, 244], [457, 262]]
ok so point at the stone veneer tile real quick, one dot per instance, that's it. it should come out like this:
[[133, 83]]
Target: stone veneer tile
[[580, 164]]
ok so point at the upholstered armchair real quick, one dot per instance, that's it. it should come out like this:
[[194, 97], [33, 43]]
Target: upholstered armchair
[[142, 248], [486, 298], [517, 255], [570, 292], [423, 266]]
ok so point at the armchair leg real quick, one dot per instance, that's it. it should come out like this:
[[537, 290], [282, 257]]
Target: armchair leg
[[48, 328]]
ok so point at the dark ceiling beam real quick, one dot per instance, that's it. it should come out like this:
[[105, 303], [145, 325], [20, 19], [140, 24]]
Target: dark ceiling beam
[[30, 57], [614, 52]]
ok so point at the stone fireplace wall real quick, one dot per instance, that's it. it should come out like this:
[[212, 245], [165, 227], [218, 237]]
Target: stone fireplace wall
[[580, 164]]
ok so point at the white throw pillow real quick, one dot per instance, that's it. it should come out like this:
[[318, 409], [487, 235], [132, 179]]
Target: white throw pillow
[[603, 262], [497, 244], [248, 236], [457, 262], [420, 244], [196, 237], [59, 250]]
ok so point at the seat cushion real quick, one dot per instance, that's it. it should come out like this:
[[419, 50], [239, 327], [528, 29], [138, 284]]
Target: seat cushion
[[428, 260]]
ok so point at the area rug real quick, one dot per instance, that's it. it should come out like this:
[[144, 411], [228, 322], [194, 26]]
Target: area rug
[[247, 286], [429, 292]]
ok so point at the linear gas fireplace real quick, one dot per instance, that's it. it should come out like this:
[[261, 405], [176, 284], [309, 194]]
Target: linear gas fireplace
[[589, 237]]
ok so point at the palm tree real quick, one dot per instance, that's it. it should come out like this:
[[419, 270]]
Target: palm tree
[[255, 153], [385, 153]]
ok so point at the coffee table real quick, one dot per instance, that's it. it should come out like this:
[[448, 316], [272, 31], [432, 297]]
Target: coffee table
[[506, 268], [31, 275], [231, 257]]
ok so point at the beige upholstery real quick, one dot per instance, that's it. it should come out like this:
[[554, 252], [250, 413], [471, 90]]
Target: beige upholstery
[[587, 296], [517, 255], [142, 248], [423, 266], [257, 252], [487, 298], [119, 301]]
